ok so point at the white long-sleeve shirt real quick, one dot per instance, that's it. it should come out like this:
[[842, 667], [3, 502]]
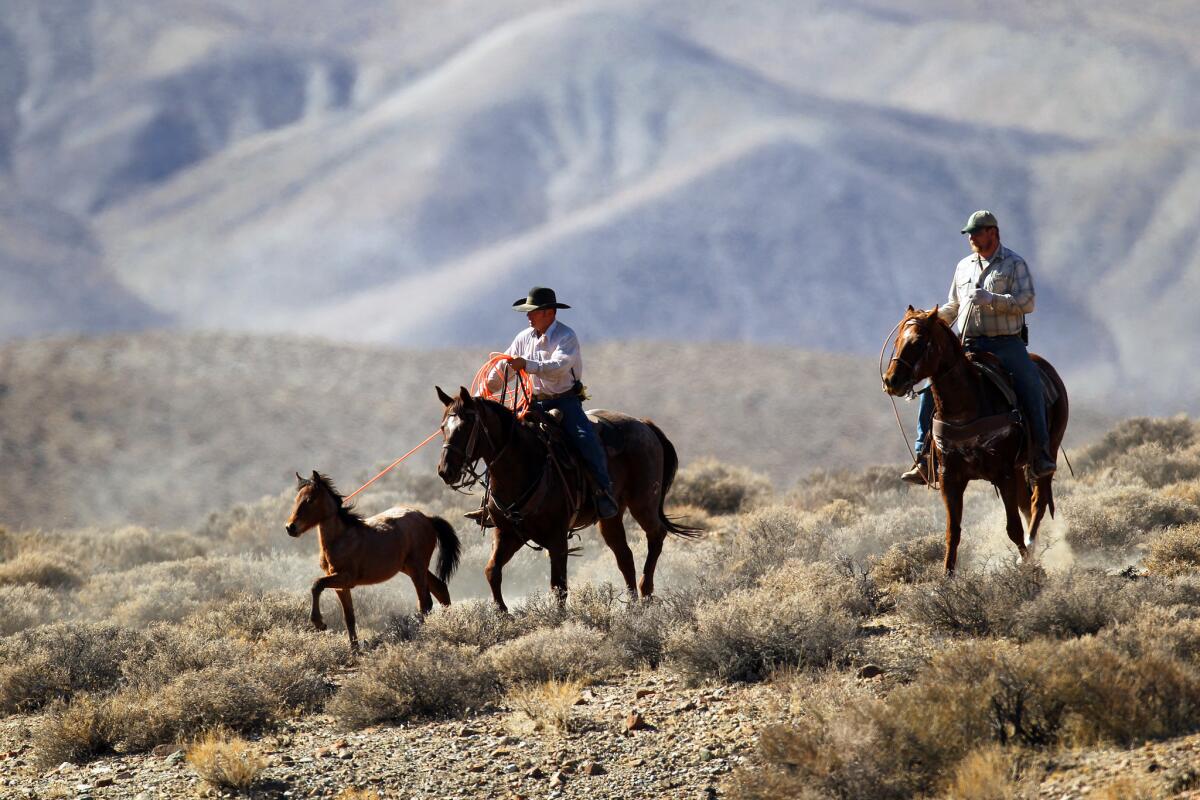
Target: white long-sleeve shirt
[[553, 359]]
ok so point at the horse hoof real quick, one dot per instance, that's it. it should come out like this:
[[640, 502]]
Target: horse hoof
[[319, 625]]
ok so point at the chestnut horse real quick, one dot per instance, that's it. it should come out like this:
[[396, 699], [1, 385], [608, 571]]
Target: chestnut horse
[[527, 498], [360, 552], [926, 347]]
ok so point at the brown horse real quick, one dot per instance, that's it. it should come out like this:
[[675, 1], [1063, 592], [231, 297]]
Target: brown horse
[[528, 498], [988, 444], [360, 552]]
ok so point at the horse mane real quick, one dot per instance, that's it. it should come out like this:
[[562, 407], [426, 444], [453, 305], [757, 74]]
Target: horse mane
[[346, 512]]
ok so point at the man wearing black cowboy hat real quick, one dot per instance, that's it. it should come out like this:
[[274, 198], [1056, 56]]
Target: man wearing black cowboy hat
[[549, 351]]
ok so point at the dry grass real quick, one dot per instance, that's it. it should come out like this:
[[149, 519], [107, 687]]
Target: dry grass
[[719, 488], [415, 680], [40, 569], [987, 773], [803, 616], [570, 652], [225, 761], [547, 706], [1175, 551]]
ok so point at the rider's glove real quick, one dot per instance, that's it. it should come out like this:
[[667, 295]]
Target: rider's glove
[[982, 297]]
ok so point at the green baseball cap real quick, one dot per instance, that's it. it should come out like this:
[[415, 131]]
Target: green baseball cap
[[980, 219]]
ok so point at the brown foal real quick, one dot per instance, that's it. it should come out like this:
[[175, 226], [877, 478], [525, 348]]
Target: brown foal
[[359, 552]]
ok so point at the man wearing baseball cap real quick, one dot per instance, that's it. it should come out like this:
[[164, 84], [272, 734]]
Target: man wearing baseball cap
[[549, 351], [990, 295]]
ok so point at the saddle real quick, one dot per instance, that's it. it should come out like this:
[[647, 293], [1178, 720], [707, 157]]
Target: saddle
[[977, 432]]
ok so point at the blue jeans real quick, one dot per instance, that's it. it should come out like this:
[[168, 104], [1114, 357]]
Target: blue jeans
[[581, 431], [1027, 383]]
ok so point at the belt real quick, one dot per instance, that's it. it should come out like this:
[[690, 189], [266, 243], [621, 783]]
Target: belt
[[988, 338], [568, 393]]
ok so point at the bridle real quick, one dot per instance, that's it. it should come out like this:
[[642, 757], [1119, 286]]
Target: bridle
[[471, 474]]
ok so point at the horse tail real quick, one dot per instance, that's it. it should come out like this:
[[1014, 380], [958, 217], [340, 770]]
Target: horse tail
[[670, 465], [449, 548]]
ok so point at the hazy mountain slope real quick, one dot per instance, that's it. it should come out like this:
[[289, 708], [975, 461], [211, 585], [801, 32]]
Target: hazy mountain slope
[[54, 277], [791, 173], [162, 428], [1097, 70]]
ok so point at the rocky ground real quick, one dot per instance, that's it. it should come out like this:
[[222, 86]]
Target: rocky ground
[[646, 735]]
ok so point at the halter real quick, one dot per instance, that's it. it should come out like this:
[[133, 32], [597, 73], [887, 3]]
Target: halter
[[472, 474]]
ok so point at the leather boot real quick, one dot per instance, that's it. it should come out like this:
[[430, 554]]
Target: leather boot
[[916, 475]]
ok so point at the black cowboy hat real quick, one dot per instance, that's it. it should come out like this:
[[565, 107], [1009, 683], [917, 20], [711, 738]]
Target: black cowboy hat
[[539, 298]]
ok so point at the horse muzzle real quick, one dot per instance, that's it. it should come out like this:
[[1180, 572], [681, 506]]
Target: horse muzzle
[[292, 530]]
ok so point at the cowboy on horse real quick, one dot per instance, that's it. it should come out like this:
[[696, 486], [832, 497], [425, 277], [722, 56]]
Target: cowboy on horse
[[549, 351], [990, 295]]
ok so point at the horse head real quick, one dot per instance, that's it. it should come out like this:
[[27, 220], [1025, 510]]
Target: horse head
[[920, 351], [465, 434], [316, 500]]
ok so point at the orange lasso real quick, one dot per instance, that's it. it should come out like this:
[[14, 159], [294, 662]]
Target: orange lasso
[[516, 397], [516, 392]]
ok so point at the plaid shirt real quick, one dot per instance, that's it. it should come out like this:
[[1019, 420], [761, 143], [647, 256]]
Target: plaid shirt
[[1008, 280]]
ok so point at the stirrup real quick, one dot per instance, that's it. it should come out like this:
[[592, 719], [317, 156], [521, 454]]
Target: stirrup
[[481, 516]]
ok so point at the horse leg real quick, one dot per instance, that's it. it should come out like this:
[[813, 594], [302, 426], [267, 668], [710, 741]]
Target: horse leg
[[438, 588], [613, 531], [952, 497], [1010, 494], [558, 574], [654, 546], [504, 547], [1038, 503], [334, 581], [348, 615], [421, 584]]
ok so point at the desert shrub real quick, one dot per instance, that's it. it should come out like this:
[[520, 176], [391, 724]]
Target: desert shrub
[[225, 761], [547, 705], [133, 545], [1171, 434], [1175, 551], [55, 662], [40, 569], [986, 773], [570, 652], [1114, 519], [1187, 491], [763, 539], [471, 622], [1130, 787], [253, 527], [873, 533], [74, 732], [976, 603], [1156, 466], [831, 749], [916, 561], [1073, 603], [638, 636], [248, 615], [822, 487], [27, 606], [800, 616], [719, 488], [231, 696], [418, 679], [1171, 632]]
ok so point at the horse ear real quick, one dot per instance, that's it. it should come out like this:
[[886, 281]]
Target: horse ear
[[299, 480], [316, 478], [911, 309], [445, 398], [463, 394]]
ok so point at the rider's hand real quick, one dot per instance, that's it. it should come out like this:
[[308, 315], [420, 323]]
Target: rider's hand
[[982, 297], [518, 364]]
